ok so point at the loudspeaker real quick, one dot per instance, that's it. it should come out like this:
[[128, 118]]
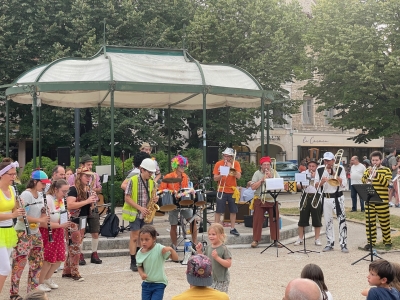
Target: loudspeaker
[[212, 154], [243, 210], [63, 156]]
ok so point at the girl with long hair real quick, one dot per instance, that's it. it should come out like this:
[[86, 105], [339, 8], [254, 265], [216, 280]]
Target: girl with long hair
[[314, 272]]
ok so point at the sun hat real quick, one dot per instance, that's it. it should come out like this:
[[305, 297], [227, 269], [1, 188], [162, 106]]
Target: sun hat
[[84, 170], [86, 158]]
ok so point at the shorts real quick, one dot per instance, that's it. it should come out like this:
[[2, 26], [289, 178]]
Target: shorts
[[233, 209], [173, 215], [137, 224], [93, 223], [316, 213]]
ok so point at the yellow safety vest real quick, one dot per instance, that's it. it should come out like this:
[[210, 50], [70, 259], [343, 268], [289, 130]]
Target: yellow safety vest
[[129, 213]]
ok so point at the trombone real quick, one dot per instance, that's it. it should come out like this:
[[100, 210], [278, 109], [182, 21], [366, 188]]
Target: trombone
[[272, 171], [302, 206], [372, 173], [232, 172]]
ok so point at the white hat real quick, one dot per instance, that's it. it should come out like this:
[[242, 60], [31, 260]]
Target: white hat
[[148, 164], [329, 156], [228, 151]]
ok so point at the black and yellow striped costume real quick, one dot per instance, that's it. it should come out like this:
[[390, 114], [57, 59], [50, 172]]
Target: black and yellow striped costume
[[380, 210]]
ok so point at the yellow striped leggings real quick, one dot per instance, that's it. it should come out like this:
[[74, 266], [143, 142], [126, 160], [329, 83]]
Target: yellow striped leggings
[[382, 212]]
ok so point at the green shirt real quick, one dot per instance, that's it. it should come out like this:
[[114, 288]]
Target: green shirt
[[153, 264], [219, 272]]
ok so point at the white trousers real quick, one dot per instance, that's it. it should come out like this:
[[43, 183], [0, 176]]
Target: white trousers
[[329, 209]]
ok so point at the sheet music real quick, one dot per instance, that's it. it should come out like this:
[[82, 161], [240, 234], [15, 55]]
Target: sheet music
[[224, 170], [274, 184], [105, 178], [63, 217], [302, 177], [82, 222]]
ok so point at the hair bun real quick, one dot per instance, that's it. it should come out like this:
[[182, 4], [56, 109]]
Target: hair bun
[[7, 159]]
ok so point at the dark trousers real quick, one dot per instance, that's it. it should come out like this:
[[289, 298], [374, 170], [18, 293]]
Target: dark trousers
[[258, 219], [354, 199]]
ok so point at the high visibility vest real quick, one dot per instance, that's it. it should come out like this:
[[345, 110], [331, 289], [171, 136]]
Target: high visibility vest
[[129, 213]]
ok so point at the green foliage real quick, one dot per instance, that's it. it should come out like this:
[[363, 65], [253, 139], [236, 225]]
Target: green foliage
[[354, 48], [47, 166], [248, 170]]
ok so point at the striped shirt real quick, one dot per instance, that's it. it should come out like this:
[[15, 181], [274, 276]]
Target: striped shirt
[[380, 182]]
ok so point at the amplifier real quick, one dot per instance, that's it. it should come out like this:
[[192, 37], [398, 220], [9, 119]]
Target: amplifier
[[243, 210]]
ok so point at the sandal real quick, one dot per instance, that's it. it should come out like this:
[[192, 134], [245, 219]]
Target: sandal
[[16, 297]]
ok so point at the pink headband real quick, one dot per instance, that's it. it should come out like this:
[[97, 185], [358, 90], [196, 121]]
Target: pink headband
[[9, 167]]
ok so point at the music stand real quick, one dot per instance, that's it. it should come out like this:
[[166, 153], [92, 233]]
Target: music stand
[[368, 193], [276, 242]]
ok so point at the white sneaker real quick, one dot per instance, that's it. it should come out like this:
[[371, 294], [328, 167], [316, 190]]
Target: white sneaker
[[298, 242], [391, 204], [50, 283], [318, 242], [43, 287]]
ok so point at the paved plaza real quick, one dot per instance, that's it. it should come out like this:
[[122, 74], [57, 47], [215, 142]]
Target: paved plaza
[[253, 275]]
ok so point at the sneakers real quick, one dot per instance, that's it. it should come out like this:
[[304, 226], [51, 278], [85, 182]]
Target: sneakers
[[133, 266], [82, 261], [298, 242], [391, 204], [397, 205], [388, 246], [50, 283], [345, 250], [327, 248], [43, 287], [317, 242], [78, 278], [94, 259], [66, 276], [234, 232], [254, 244], [367, 247]]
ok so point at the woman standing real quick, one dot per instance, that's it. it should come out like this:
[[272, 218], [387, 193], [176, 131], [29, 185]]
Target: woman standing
[[30, 247], [8, 211], [54, 252], [79, 204]]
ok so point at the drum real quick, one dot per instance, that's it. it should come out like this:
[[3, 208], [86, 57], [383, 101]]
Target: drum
[[187, 199], [199, 200], [167, 202]]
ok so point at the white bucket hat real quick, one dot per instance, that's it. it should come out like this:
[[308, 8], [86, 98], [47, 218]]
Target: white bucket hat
[[229, 151]]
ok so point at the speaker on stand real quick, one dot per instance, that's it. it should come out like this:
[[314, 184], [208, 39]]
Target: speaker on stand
[[64, 156], [212, 156]]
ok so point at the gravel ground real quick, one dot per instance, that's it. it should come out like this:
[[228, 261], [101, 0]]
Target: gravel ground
[[253, 275]]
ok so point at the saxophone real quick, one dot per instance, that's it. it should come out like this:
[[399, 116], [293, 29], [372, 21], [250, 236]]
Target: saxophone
[[152, 206]]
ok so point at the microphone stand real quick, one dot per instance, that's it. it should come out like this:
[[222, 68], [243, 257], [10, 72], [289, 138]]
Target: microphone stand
[[276, 242]]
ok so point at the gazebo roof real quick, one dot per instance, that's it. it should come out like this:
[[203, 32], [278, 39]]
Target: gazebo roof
[[140, 78]]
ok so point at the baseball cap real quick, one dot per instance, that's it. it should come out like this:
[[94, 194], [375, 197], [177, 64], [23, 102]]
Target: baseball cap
[[199, 270], [40, 175], [329, 156]]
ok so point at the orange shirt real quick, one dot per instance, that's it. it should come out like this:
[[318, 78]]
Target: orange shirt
[[174, 186], [229, 181]]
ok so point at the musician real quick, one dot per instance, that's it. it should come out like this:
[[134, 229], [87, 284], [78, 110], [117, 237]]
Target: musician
[[307, 209], [138, 193], [8, 211], [79, 203], [227, 188], [145, 147], [54, 252], [93, 218], [263, 202], [179, 164], [381, 177], [30, 247], [333, 200], [137, 160]]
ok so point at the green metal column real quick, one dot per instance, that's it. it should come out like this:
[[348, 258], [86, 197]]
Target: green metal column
[[228, 139], [7, 128], [204, 151], [99, 135], [267, 129], [112, 151], [169, 138], [34, 136], [262, 126], [40, 136], [77, 121]]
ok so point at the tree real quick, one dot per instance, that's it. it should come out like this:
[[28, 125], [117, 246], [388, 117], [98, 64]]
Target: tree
[[354, 45]]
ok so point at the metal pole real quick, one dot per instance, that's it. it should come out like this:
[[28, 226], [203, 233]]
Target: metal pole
[[112, 152], [40, 136], [99, 135], [7, 128], [204, 151], [228, 144], [267, 129], [34, 136], [262, 126], [169, 138], [77, 120]]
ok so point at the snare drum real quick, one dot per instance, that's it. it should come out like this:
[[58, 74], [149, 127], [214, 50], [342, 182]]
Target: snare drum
[[167, 202], [199, 200], [187, 199]]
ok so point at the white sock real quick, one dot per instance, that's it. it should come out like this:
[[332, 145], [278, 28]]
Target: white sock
[[95, 244]]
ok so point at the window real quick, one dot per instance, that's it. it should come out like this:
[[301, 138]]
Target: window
[[329, 114], [277, 114], [308, 113]]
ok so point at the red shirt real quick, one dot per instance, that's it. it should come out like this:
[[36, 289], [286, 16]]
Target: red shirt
[[229, 181]]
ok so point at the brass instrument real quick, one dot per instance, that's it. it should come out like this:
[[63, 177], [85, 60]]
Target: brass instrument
[[338, 158], [372, 174], [316, 200], [263, 197], [152, 206], [232, 171], [320, 161]]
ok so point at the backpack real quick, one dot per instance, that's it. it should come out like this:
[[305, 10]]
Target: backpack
[[385, 161], [110, 226]]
